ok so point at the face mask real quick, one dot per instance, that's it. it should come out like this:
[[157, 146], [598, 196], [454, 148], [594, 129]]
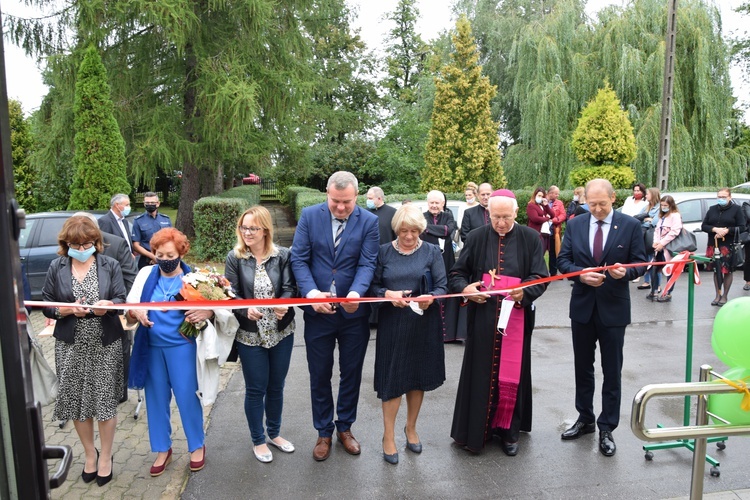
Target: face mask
[[168, 266], [637, 196], [150, 208], [665, 209], [81, 255], [722, 202], [538, 200], [470, 200], [370, 204], [125, 211], [575, 197]]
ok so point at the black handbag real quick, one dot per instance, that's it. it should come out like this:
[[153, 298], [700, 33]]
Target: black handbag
[[685, 241], [738, 253], [648, 238]]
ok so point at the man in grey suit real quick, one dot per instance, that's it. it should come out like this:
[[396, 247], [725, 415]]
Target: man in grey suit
[[114, 222]]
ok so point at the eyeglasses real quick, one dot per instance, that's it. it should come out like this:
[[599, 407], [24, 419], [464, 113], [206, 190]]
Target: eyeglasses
[[249, 230], [505, 218], [81, 246]]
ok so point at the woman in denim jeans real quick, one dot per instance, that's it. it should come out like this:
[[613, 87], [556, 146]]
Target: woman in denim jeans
[[258, 269]]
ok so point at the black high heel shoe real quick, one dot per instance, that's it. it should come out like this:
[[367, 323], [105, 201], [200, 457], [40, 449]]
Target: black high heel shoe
[[102, 480], [90, 476], [391, 459]]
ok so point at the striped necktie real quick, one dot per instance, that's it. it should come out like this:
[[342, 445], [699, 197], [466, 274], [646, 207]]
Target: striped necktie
[[339, 231]]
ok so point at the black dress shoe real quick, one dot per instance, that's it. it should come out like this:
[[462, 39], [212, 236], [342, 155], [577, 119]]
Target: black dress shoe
[[607, 444], [578, 430], [510, 449]]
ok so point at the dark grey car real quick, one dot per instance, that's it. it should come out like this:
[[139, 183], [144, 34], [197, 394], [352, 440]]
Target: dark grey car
[[38, 245]]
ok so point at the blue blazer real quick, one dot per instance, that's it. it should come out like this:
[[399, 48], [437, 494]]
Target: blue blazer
[[624, 245], [313, 261]]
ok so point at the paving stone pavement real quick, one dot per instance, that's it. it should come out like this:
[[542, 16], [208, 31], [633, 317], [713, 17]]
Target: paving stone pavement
[[133, 456]]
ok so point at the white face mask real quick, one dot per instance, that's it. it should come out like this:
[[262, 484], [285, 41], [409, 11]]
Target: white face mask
[[470, 200], [539, 200], [575, 197]]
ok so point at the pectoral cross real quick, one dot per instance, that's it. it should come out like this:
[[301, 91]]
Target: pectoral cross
[[493, 274]]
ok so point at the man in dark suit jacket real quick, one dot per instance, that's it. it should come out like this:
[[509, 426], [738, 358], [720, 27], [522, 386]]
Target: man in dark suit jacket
[[110, 222], [477, 216], [335, 240], [600, 305], [384, 213]]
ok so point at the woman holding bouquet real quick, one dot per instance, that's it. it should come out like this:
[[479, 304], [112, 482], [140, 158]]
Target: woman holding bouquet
[[258, 269], [168, 362]]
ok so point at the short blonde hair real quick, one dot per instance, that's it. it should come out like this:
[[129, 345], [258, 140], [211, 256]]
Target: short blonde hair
[[262, 218], [410, 216]]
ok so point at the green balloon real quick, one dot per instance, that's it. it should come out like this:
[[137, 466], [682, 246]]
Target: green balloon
[[731, 335], [727, 406]]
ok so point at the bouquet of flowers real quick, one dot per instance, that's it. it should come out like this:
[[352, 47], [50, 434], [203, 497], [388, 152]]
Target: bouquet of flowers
[[203, 284]]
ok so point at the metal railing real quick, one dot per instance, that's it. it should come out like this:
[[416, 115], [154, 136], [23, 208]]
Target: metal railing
[[700, 432]]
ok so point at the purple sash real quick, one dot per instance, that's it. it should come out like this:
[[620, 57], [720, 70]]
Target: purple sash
[[511, 353]]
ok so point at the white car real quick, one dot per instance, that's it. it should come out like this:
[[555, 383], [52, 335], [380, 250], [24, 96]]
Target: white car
[[693, 207]]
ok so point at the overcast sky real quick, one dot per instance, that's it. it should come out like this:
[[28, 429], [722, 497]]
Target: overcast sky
[[24, 81]]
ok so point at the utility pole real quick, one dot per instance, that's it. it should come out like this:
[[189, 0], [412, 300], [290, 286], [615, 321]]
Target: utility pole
[[665, 132]]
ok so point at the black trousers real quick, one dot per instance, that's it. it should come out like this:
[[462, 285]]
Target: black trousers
[[611, 340], [746, 267]]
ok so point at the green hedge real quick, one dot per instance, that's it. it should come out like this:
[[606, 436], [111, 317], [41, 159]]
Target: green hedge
[[305, 197], [620, 176], [214, 218], [250, 193]]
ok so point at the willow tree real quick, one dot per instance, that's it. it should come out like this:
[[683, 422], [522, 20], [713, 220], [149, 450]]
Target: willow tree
[[559, 61], [200, 84], [99, 148], [463, 140], [629, 47]]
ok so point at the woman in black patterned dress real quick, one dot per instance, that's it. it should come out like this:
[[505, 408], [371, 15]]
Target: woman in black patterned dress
[[88, 349], [409, 355]]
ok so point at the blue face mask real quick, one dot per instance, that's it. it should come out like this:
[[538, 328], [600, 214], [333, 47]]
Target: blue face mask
[[81, 255], [665, 209], [370, 204], [125, 211], [722, 202], [168, 266]]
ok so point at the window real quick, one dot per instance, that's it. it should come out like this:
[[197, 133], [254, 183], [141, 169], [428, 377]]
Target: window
[[50, 229], [690, 210], [23, 238]]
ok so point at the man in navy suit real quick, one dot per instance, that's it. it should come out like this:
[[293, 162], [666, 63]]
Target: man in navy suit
[[600, 305], [333, 254]]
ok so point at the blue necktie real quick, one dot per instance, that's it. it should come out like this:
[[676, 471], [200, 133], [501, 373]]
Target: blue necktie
[[339, 231]]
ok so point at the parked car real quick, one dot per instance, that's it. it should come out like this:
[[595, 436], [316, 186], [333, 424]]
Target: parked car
[[693, 207], [251, 179], [38, 244]]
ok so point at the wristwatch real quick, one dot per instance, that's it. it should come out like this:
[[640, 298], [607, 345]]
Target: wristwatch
[[57, 313]]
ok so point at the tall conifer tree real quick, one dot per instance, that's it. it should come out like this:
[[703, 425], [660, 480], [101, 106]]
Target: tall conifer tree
[[99, 148], [463, 139], [20, 144]]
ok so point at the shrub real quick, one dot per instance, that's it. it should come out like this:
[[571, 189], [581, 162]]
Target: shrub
[[214, 218], [620, 177]]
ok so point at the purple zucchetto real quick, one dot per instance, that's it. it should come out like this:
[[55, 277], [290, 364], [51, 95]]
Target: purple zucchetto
[[503, 192]]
